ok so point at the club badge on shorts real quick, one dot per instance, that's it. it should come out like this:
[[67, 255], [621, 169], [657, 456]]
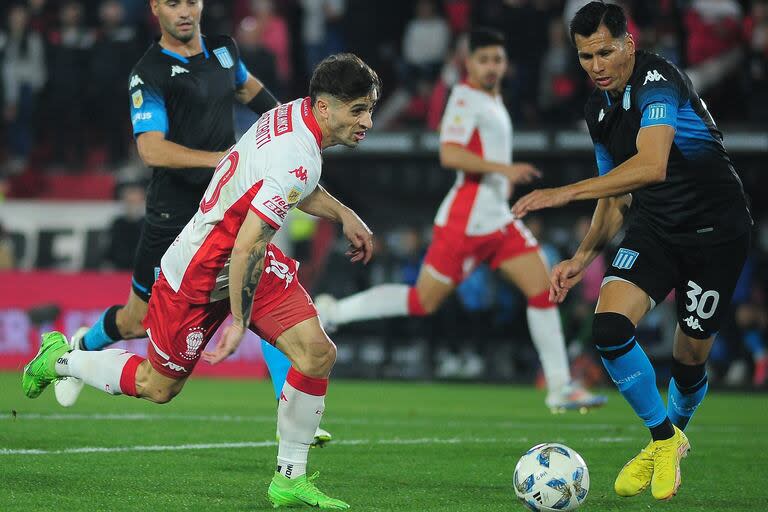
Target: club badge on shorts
[[194, 341], [224, 57]]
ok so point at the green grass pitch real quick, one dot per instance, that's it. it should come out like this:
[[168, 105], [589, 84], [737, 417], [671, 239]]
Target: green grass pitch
[[398, 447]]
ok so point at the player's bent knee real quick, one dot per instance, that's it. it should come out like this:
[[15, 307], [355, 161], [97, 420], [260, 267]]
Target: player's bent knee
[[321, 356], [613, 334]]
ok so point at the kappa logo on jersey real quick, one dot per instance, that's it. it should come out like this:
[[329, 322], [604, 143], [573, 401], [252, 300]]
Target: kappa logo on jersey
[[693, 323], [138, 99], [279, 269], [657, 111], [194, 340], [224, 58], [653, 76], [135, 80], [177, 70], [601, 115], [625, 258], [278, 205], [300, 173]]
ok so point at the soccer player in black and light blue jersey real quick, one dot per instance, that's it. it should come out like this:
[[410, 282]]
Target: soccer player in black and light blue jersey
[[182, 93], [662, 166]]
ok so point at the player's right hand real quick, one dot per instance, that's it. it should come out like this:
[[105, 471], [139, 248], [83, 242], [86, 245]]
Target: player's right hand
[[522, 173], [230, 340], [565, 275]]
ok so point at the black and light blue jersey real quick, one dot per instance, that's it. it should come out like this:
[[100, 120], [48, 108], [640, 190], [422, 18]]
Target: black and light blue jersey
[[702, 198], [191, 101]]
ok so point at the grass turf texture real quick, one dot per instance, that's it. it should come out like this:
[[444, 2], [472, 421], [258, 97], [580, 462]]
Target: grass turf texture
[[398, 446]]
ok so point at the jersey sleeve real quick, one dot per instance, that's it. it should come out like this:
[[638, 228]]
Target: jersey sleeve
[[660, 95], [592, 115], [241, 72], [459, 120], [147, 103], [604, 159], [282, 188]]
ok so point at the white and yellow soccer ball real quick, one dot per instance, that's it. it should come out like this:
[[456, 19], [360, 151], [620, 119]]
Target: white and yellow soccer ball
[[551, 476]]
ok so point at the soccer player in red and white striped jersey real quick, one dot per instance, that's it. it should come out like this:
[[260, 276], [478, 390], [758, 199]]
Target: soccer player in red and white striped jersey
[[474, 224], [223, 262]]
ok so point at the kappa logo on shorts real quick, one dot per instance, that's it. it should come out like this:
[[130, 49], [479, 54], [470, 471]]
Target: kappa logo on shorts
[[625, 258], [175, 367], [194, 340], [693, 323]]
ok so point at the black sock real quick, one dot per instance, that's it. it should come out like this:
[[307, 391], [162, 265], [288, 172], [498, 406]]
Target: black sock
[[689, 378], [110, 323], [662, 431]]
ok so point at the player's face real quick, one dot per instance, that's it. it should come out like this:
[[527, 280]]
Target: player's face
[[348, 122], [179, 18], [607, 60], [486, 67]]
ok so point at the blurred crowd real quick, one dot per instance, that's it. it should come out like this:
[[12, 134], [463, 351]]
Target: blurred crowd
[[65, 63]]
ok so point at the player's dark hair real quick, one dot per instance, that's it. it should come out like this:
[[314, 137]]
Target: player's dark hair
[[345, 77], [484, 36], [589, 18]]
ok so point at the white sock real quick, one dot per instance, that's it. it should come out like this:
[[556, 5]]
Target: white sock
[[100, 369], [547, 334], [383, 301], [299, 412]]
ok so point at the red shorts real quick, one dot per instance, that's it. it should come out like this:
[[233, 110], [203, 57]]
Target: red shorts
[[455, 255], [179, 331]]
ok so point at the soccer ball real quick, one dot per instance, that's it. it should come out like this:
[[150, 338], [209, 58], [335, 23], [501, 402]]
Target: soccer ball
[[551, 476]]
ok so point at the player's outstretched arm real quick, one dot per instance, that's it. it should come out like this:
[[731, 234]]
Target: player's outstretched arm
[[156, 151], [245, 269], [322, 204], [455, 156], [647, 167], [606, 222]]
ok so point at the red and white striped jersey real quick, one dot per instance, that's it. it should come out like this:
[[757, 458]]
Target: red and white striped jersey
[[275, 165], [477, 204]]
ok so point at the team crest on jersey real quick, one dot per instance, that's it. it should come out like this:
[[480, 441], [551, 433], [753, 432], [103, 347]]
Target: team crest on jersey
[[293, 195], [138, 99], [223, 56], [625, 258], [194, 341], [626, 102]]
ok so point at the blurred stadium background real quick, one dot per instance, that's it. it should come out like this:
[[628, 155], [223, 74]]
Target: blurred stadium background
[[71, 184]]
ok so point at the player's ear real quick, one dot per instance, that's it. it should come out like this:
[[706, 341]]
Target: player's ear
[[153, 6], [322, 104], [630, 42]]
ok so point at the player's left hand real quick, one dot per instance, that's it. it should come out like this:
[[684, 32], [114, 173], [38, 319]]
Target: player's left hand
[[360, 239], [540, 199], [230, 340]]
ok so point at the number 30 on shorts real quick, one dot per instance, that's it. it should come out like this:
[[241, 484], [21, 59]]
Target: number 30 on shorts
[[704, 304]]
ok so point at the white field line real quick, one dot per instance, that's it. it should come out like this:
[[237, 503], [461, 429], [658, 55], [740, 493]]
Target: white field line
[[224, 418], [330, 420], [424, 441]]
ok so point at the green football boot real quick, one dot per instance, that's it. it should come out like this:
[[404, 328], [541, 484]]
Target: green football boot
[[41, 370], [297, 492]]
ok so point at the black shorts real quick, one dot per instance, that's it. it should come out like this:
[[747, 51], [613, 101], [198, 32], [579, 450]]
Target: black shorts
[[153, 243], [703, 276]]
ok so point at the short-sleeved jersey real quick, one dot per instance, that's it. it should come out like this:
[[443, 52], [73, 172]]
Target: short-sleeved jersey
[[190, 100], [702, 199], [477, 204], [274, 166]]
